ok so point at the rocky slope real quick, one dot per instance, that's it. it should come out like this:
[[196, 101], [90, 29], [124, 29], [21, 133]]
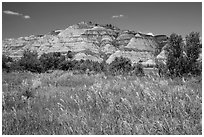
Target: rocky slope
[[89, 41]]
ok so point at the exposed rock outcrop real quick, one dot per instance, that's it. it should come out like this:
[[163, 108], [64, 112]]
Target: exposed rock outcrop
[[86, 36], [149, 63], [124, 38], [135, 57], [142, 43]]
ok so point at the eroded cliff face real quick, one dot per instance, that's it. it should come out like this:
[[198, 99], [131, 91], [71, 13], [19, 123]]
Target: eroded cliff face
[[87, 41], [134, 56]]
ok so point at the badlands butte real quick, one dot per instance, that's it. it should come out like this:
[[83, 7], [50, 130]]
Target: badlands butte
[[87, 40]]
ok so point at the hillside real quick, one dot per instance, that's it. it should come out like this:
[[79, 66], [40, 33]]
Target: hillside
[[89, 41]]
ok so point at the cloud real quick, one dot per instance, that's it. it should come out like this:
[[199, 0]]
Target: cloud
[[11, 13], [26, 17], [8, 12], [118, 16]]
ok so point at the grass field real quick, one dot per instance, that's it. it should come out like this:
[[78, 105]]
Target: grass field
[[63, 103]]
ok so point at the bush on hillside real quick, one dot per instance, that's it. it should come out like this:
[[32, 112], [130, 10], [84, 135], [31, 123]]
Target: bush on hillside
[[109, 26], [104, 66], [15, 66], [162, 69], [120, 65], [97, 67], [70, 55], [6, 61], [30, 62], [67, 65], [115, 43], [138, 69], [51, 60]]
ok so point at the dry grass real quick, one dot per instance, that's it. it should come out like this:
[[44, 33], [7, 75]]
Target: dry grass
[[99, 104]]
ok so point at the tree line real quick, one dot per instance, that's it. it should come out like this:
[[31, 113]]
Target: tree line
[[56, 61], [182, 57]]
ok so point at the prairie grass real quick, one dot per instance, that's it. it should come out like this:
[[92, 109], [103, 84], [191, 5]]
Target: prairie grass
[[80, 104]]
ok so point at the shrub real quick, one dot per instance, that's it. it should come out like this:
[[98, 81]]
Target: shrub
[[46, 61], [120, 65], [197, 68], [115, 43], [77, 64], [104, 66], [6, 60], [51, 60], [162, 69], [97, 67], [30, 62], [82, 65], [138, 69], [67, 65], [15, 66], [70, 55]]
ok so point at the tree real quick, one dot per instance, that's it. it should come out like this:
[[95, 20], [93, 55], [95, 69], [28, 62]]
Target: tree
[[51, 60], [5, 62], [66, 65], [69, 55], [138, 69], [192, 50], [120, 65], [30, 61], [182, 58], [175, 55], [46, 61]]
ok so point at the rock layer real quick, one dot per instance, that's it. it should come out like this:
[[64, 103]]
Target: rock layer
[[82, 37]]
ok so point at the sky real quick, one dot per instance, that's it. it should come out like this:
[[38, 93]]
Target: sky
[[22, 19]]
